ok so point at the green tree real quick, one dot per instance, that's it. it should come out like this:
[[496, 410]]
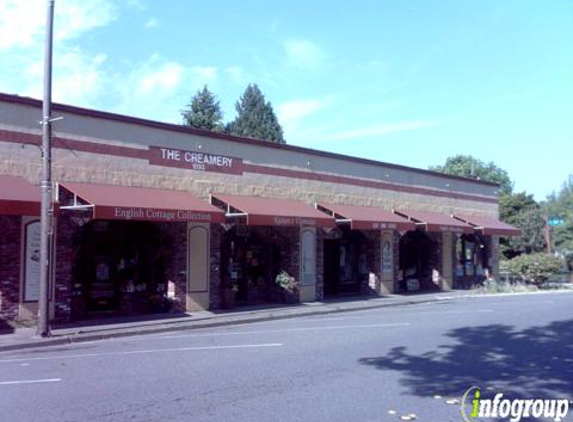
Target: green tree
[[468, 166], [204, 112], [522, 211], [517, 209], [256, 118], [560, 205]]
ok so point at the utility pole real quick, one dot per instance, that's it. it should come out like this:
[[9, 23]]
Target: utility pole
[[43, 329]]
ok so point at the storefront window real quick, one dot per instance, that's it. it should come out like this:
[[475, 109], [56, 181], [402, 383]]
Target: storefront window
[[472, 256], [119, 266]]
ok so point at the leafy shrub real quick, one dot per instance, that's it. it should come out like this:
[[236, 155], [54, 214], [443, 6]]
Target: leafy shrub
[[535, 268], [497, 286]]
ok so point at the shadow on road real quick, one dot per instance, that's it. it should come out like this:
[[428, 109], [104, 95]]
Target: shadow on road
[[536, 362]]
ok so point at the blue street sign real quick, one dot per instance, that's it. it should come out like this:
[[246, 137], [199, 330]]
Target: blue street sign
[[555, 221]]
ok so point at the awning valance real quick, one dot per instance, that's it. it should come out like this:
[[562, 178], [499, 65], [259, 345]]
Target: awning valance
[[18, 197], [258, 211], [366, 218], [489, 226], [435, 222], [136, 203]]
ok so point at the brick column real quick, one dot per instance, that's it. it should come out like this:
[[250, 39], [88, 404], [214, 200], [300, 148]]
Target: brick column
[[446, 270], [215, 267], [10, 255], [494, 257], [319, 264]]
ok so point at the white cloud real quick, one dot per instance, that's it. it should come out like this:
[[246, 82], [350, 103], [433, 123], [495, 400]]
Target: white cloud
[[22, 22], [237, 74], [151, 23], [304, 54], [160, 78], [205, 75], [155, 88], [150, 89], [78, 77], [377, 130], [292, 114], [75, 18]]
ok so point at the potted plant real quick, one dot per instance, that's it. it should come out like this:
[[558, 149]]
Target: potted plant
[[287, 288]]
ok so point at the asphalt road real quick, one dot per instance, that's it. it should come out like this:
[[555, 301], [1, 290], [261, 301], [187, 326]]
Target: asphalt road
[[376, 365]]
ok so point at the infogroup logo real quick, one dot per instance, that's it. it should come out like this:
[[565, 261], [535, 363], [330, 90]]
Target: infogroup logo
[[475, 406]]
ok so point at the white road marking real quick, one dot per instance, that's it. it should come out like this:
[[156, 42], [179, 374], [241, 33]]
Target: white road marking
[[424, 312], [30, 381], [455, 312], [138, 352], [284, 330]]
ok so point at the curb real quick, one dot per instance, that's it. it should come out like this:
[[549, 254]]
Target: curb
[[192, 325]]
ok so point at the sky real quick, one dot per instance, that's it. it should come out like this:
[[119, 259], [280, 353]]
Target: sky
[[409, 82]]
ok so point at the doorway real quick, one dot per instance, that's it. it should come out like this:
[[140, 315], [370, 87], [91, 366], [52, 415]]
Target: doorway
[[331, 266], [416, 263], [119, 266]]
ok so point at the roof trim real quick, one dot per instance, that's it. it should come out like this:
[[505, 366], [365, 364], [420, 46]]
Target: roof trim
[[10, 98]]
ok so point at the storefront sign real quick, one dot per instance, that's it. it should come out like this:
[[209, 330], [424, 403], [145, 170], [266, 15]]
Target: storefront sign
[[266, 220], [195, 160], [412, 284], [293, 221], [391, 226], [151, 214], [32, 262], [452, 229], [387, 257]]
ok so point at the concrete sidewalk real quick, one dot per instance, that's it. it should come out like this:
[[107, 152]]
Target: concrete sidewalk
[[25, 338]]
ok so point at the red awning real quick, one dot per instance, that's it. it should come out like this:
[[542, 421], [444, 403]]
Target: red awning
[[18, 197], [271, 212], [366, 218], [435, 222], [134, 203], [489, 226]]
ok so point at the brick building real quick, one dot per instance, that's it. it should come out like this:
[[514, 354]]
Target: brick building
[[150, 215]]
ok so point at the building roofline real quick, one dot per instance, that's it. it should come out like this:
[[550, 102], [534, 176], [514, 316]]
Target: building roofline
[[11, 98]]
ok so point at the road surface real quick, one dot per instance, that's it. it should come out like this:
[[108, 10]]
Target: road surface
[[375, 365]]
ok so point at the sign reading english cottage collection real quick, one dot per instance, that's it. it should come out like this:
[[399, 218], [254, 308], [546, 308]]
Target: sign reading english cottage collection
[[194, 160], [152, 214]]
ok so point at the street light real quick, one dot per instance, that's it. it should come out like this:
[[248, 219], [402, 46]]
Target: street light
[[43, 328]]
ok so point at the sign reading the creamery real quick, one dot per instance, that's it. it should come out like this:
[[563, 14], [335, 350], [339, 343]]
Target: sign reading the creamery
[[194, 160]]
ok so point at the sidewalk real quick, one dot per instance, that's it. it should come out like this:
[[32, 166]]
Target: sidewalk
[[25, 338]]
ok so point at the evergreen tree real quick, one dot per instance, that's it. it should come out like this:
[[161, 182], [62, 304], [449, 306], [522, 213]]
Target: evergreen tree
[[256, 118], [204, 112]]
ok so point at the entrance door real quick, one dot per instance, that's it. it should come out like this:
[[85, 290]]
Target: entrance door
[[119, 266], [416, 250], [331, 266]]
